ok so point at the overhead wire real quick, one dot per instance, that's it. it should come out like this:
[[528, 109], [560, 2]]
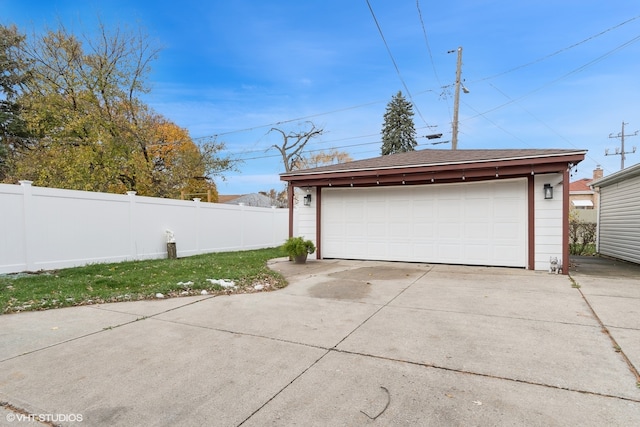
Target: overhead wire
[[433, 65], [395, 64], [542, 122], [479, 114], [248, 129], [564, 49], [564, 76]]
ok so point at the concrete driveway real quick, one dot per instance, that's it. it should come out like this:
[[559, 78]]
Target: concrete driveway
[[346, 343]]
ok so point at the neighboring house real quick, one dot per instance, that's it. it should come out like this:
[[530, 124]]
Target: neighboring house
[[619, 214], [253, 199], [583, 198], [473, 207], [224, 198]]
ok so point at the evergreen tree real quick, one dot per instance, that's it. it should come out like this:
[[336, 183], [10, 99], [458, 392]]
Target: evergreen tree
[[398, 131]]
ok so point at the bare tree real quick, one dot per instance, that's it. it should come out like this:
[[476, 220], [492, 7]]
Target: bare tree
[[293, 143]]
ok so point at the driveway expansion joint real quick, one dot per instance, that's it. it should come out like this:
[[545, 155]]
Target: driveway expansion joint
[[484, 375], [617, 348]]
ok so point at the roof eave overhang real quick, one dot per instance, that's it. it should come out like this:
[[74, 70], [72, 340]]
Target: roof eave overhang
[[622, 175], [440, 172]]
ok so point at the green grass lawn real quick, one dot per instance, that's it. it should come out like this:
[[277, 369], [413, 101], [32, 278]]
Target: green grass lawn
[[137, 280]]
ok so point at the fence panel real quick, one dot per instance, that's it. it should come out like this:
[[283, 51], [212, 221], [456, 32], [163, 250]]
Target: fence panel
[[12, 229], [45, 228]]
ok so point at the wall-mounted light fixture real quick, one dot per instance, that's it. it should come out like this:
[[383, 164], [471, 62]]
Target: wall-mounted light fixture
[[548, 191], [307, 200]]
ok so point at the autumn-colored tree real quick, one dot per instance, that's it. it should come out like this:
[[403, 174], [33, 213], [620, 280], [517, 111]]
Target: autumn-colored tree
[[13, 132], [278, 198], [90, 129], [322, 158]]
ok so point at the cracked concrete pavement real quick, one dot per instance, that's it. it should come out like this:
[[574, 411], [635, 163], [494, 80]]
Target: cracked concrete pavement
[[346, 343]]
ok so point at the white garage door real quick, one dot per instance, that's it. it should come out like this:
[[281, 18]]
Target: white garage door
[[482, 223]]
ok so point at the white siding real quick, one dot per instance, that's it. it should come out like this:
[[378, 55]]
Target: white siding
[[548, 221], [305, 216], [619, 221]]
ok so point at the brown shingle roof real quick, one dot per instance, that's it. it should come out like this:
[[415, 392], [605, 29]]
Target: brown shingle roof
[[436, 157]]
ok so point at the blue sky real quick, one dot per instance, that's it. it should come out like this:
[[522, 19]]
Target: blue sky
[[541, 73]]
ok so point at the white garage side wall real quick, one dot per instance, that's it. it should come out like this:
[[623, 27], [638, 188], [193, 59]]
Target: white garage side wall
[[45, 228], [619, 227], [305, 224], [548, 221]]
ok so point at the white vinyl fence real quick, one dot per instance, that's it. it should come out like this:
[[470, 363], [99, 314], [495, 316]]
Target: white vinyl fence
[[45, 228]]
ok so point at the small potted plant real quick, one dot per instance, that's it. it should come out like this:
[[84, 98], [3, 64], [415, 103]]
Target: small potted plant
[[298, 248]]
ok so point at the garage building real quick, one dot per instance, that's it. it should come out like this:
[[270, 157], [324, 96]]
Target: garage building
[[473, 207], [619, 214]]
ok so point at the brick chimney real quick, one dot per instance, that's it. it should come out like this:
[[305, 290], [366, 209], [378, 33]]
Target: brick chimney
[[597, 173]]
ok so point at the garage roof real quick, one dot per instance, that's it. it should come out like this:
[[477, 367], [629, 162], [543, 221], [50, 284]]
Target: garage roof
[[441, 165]]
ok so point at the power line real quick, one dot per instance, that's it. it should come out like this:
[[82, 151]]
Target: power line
[[511, 100], [384, 40], [557, 52], [307, 151], [564, 76], [483, 115], [425, 91], [297, 119], [433, 65]]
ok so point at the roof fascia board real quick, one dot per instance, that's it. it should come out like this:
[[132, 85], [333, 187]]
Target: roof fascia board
[[439, 176], [629, 172], [566, 157], [512, 168]]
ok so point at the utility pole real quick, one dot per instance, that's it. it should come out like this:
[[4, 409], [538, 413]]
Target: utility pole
[[456, 100], [456, 103], [620, 151]]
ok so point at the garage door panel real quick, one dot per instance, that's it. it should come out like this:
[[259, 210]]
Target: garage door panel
[[400, 229], [425, 231], [478, 208], [477, 230], [377, 250], [376, 210], [449, 209], [356, 229], [450, 230], [424, 209], [473, 223], [450, 252], [376, 230], [506, 230], [424, 251], [478, 253], [505, 208], [400, 249]]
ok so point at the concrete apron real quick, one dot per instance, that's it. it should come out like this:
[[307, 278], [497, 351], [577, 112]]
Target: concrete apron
[[346, 343]]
